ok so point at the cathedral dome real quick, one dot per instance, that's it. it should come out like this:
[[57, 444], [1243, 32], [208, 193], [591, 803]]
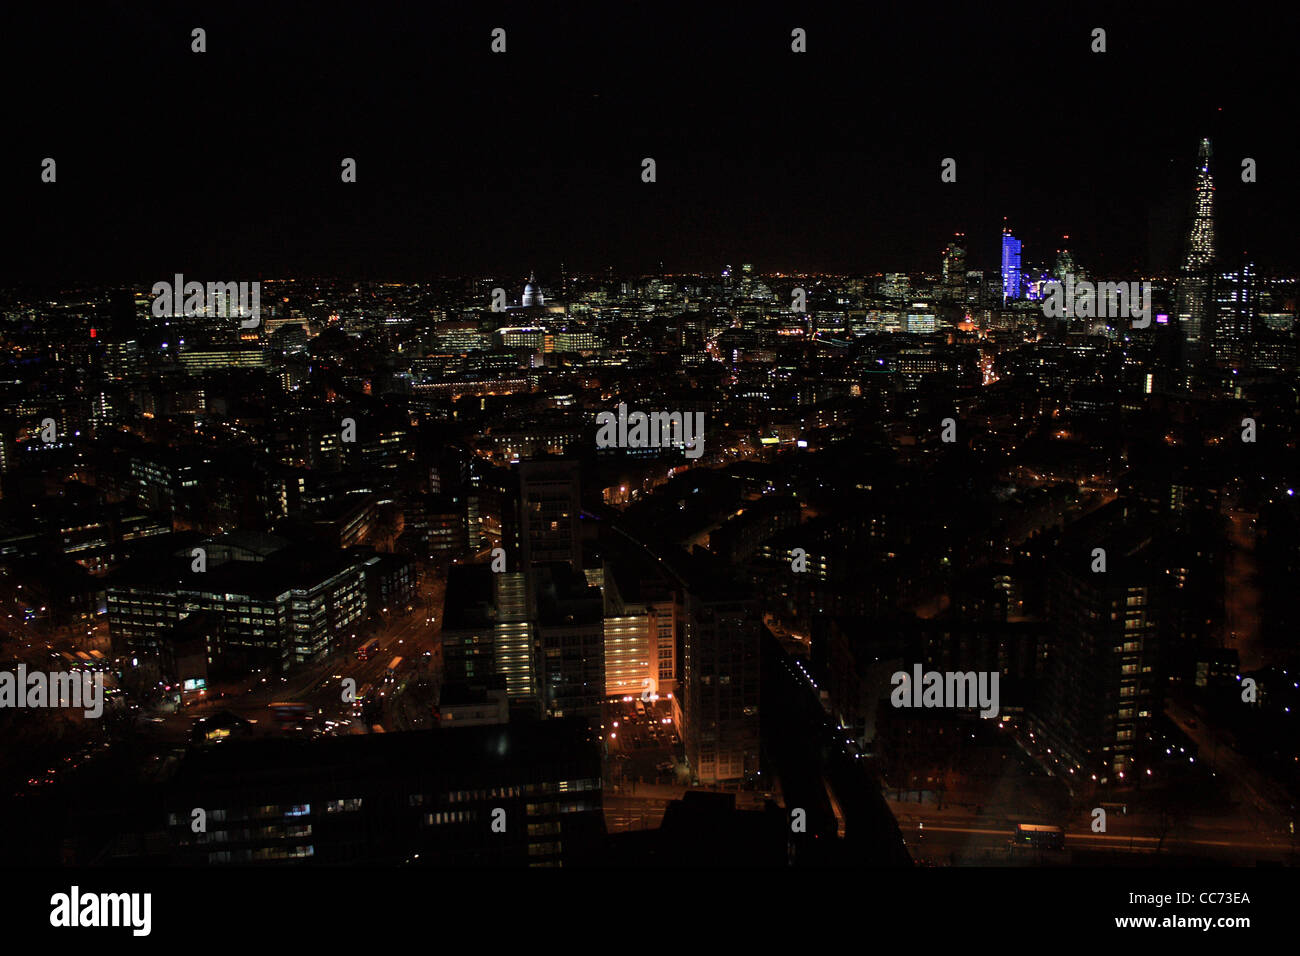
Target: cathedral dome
[[532, 294]]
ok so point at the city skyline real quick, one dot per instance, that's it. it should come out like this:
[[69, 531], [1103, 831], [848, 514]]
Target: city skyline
[[543, 163], [441, 445]]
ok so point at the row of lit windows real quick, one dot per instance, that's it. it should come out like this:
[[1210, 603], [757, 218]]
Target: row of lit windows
[[261, 833], [264, 853], [343, 806], [270, 810], [493, 793], [450, 816], [563, 786], [553, 807]]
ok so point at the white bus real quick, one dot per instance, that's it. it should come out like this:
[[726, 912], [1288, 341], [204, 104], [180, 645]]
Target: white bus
[[390, 675]]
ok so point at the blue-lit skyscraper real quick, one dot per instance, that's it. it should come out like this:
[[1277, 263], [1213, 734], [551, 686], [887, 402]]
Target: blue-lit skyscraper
[[1010, 266]]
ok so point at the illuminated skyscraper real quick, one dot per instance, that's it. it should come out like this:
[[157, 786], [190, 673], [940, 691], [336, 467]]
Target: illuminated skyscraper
[[954, 269], [1193, 292], [1065, 264], [1010, 266], [896, 285], [1236, 311]]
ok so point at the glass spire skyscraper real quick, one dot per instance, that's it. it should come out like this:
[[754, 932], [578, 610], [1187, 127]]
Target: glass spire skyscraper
[[1193, 298]]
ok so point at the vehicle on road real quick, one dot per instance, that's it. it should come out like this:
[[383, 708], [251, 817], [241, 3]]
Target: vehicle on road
[[368, 649], [288, 711], [1040, 835], [390, 674]]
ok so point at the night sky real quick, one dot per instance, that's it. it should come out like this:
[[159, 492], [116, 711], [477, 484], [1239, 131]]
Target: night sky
[[227, 163]]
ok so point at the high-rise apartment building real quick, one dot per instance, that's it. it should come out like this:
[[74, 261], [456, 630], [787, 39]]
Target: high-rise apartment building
[[1104, 683]]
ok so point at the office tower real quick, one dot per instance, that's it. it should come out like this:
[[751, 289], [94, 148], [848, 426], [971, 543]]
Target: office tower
[[954, 269], [123, 315], [1192, 299], [628, 664], [424, 797], [469, 619], [461, 337], [492, 511], [1010, 266], [921, 321], [1066, 264], [720, 685], [513, 636], [1236, 306], [663, 622], [279, 605], [629, 638], [640, 630], [571, 639], [487, 631], [550, 506], [896, 285]]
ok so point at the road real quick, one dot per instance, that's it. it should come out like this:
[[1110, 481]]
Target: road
[[1246, 784], [320, 684], [939, 834], [941, 843]]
